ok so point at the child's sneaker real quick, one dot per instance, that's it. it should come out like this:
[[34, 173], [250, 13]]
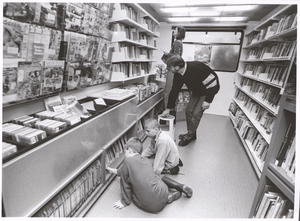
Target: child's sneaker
[[188, 191], [174, 196]]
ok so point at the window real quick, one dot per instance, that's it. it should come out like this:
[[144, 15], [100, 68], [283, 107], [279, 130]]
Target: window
[[221, 49]]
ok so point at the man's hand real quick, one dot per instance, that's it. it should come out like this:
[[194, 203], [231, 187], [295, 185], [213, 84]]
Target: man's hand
[[205, 105], [118, 205], [166, 113]]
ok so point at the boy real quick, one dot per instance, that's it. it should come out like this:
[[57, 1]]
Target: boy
[[140, 184], [162, 147]]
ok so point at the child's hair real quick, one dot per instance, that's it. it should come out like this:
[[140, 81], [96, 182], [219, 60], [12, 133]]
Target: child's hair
[[181, 32], [152, 123], [135, 144], [175, 60]]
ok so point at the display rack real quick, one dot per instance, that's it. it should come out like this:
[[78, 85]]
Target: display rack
[[63, 175], [260, 111]]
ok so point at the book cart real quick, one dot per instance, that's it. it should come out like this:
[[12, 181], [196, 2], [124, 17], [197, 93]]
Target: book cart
[[64, 174], [264, 115]]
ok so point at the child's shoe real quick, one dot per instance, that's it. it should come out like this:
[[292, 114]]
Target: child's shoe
[[174, 196], [188, 191]]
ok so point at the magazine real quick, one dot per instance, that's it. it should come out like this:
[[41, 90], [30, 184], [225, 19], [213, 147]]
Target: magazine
[[29, 79], [52, 77]]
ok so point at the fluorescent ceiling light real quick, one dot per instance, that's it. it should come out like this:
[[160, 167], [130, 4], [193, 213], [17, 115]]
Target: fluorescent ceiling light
[[174, 10], [232, 18], [192, 11], [236, 7], [183, 19]]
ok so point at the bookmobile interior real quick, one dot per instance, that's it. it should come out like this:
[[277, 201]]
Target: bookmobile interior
[[80, 79]]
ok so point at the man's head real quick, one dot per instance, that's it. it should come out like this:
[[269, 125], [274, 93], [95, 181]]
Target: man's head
[[133, 146], [151, 127], [175, 63]]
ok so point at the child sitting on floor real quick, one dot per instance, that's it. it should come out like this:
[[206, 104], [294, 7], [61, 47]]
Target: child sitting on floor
[[140, 184]]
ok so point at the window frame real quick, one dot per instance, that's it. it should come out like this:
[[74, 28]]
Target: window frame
[[218, 29]]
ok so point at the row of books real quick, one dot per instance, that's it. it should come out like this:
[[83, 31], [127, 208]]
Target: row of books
[[256, 142], [285, 23], [273, 204], [266, 94], [283, 49], [114, 151], [135, 15], [286, 155], [263, 117], [131, 69], [131, 33], [67, 201], [81, 17], [272, 73], [8, 149], [23, 80], [128, 51]]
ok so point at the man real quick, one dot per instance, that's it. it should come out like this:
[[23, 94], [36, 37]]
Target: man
[[202, 81]]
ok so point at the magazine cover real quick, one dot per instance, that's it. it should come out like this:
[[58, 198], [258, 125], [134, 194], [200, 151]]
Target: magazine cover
[[72, 47], [12, 38], [75, 107], [30, 42], [54, 44], [86, 17], [52, 76], [9, 84], [80, 41], [20, 11], [29, 79], [48, 14], [86, 76], [86, 48], [97, 72], [74, 17], [45, 40], [73, 75], [25, 31]]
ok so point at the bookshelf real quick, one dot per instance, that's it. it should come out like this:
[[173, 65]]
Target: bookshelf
[[70, 165], [78, 155], [263, 113], [133, 41]]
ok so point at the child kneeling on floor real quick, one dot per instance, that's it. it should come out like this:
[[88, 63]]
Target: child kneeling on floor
[[140, 184], [162, 149]]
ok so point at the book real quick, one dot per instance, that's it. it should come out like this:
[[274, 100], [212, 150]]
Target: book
[[284, 145], [12, 38], [75, 107], [29, 79], [73, 75], [20, 11], [52, 76], [10, 80]]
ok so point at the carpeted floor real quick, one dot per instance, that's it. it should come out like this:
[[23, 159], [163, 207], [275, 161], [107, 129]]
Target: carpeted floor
[[215, 166]]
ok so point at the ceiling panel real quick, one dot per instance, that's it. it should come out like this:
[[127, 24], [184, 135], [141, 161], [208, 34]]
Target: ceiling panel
[[208, 13]]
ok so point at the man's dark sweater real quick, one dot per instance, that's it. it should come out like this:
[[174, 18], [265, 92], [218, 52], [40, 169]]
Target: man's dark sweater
[[199, 78]]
